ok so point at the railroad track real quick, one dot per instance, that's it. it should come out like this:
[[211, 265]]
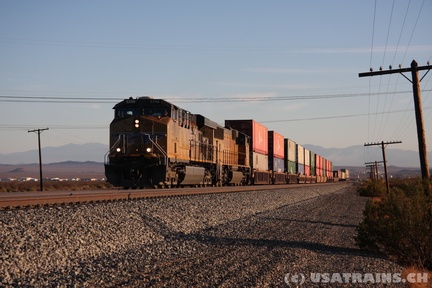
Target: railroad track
[[14, 200]]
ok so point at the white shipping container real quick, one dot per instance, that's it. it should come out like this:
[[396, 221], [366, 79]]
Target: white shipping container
[[346, 171], [259, 161], [300, 154], [307, 157]]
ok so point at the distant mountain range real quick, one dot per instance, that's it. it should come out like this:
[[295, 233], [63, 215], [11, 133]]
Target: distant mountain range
[[95, 152], [62, 170], [357, 155]]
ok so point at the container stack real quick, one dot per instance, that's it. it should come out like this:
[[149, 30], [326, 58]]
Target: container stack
[[276, 157], [290, 148], [259, 147], [300, 159], [276, 152], [307, 171], [312, 164]]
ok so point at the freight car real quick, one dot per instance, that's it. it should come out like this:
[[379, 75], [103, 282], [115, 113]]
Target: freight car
[[154, 143]]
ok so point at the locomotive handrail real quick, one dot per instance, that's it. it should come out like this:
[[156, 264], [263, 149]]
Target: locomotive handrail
[[159, 148], [111, 149]]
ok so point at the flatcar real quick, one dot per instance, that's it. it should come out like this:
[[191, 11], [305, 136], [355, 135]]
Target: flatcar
[[154, 143]]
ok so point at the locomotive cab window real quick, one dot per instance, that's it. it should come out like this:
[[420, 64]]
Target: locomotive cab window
[[124, 112], [156, 111]]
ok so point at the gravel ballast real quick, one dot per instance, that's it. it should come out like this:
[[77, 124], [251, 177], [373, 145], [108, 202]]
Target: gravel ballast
[[247, 239]]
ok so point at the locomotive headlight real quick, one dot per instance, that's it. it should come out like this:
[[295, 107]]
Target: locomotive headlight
[[149, 149], [137, 123]]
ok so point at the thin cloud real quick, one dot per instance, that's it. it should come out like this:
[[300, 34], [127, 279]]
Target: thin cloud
[[298, 71], [261, 85], [361, 50]]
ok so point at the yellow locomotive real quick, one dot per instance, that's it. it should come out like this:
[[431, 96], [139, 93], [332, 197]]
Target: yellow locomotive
[[154, 143]]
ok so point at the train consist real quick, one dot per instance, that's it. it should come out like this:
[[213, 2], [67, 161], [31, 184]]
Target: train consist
[[154, 143]]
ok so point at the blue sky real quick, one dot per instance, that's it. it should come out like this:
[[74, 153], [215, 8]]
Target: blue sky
[[291, 65]]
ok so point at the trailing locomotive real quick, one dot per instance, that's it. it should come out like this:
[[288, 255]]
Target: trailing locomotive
[[154, 143]]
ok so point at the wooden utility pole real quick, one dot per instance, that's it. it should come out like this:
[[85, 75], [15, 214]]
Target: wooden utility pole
[[383, 145], [39, 131], [373, 166], [417, 105]]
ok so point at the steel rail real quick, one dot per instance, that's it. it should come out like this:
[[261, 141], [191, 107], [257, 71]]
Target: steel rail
[[13, 200]]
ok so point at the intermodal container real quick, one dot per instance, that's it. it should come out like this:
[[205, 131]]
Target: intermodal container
[[300, 154], [343, 176], [300, 168], [307, 170], [290, 150], [307, 157], [291, 167], [276, 164], [312, 163], [255, 130], [276, 145], [259, 161], [329, 170], [346, 171]]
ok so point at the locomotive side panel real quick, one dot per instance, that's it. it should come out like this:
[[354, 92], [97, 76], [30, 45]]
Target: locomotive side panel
[[230, 150]]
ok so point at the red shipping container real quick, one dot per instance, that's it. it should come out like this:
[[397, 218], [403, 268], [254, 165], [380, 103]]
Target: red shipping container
[[318, 161], [307, 170], [253, 129], [260, 138], [276, 145]]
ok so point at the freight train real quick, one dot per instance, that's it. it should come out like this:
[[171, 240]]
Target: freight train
[[154, 143]]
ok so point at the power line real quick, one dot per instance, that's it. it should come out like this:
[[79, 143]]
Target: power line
[[382, 64], [91, 127], [400, 34], [414, 69], [53, 127], [373, 33], [388, 33], [110, 100], [340, 116], [412, 33]]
